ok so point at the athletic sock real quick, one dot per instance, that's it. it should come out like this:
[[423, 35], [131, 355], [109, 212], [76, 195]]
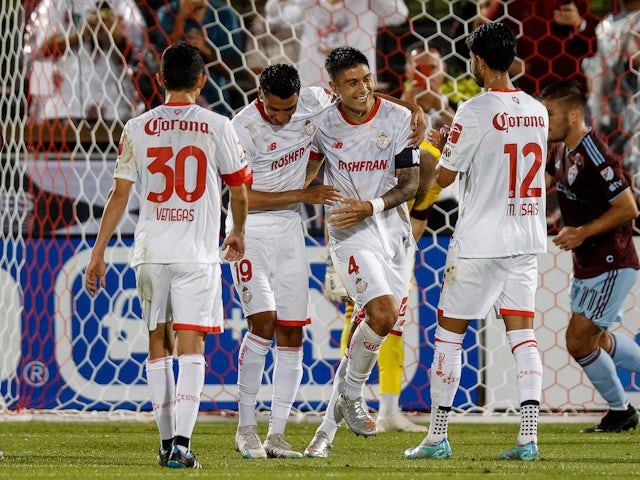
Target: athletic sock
[[287, 374], [188, 392], [438, 426], [328, 424], [363, 353], [625, 352], [251, 359], [524, 348], [529, 412], [601, 370], [388, 405], [162, 387]]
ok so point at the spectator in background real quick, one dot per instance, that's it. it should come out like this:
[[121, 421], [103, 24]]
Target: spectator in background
[[556, 36], [214, 29], [327, 24], [613, 83], [78, 52]]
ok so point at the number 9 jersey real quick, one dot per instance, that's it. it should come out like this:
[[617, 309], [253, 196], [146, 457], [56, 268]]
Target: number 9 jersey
[[180, 153], [498, 145]]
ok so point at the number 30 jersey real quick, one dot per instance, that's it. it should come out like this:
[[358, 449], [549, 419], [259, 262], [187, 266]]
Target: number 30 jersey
[[498, 146], [179, 154]]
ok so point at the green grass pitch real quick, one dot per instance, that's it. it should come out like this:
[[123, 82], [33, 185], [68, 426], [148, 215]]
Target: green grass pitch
[[127, 450]]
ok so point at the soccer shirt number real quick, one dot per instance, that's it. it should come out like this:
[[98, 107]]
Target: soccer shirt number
[[174, 178], [525, 190], [243, 270]]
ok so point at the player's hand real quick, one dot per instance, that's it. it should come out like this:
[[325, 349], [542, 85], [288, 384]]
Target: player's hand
[[351, 214], [96, 271], [569, 238], [418, 126], [438, 138], [233, 246], [320, 194]]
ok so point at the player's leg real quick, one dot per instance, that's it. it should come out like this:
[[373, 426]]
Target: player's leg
[[153, 290], [600, 301], [524, 347], [445, 379]]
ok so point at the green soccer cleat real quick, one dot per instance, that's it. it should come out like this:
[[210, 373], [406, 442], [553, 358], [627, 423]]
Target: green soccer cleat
[[527, 452], [438, 451]]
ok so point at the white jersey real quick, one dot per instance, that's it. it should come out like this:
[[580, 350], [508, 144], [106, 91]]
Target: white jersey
[[360, 161], [278, 156], [179, 153], [498, 144]]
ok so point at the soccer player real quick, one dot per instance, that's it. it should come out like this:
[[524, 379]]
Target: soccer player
[[179, 153], [598, 209], [272, 279], [496, 146], [364, 140]]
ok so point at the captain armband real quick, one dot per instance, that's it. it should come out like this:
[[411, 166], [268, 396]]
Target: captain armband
[[408, 158]]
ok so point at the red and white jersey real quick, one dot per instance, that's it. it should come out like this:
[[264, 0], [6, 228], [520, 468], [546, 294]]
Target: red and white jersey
[[498, 146], [180, 153], [360, 161], [278, 156]]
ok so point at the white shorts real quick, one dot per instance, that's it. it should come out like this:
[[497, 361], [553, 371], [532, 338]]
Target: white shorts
[[368, 274], [273, 276], [472, 286], [189, 294]]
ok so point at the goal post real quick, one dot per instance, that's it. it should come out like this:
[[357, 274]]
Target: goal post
[[63, 350]]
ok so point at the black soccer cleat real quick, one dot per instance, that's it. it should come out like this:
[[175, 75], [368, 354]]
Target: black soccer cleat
[[616, 421], [182, 460], [163, 456]]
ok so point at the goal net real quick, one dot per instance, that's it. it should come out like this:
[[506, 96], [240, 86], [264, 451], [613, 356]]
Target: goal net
[[67, 90]]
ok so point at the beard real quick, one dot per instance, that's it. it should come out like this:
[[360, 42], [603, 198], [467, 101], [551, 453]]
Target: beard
[[478, 78]]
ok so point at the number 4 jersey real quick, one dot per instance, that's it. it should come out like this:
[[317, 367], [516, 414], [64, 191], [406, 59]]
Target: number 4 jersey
[[498, 146], [179, 154]]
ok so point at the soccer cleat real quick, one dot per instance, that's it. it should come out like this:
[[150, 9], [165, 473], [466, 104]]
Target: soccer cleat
[[276, 447], [182, 460], [355, 415], [398, 423], [248, 442], [527, 452], [438, 451], [163, 456], [616, 421], [319, 446]]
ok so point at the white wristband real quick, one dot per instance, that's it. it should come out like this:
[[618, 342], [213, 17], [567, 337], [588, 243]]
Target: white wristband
[[377, 204]]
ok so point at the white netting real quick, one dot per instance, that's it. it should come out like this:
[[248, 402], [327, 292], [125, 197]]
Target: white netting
[[65, 98]]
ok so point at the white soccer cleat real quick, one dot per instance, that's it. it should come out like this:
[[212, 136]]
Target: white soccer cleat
[[248, 442], [277, 447], [398, 423], [319, 446], [356, 415]]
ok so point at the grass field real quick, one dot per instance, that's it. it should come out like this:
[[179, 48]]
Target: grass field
[[127, 450]]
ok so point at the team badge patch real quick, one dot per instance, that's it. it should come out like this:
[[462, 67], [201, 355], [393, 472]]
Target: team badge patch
[[607, 173], [383, 141], [572, 173], [454, 133], [309, 127], [246, 295], [361, 285]]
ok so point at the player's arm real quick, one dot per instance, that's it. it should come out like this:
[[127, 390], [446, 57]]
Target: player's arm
[[239, 206], [318, 194], [418, 123], [623, 209], [445, 176], [117, 200]]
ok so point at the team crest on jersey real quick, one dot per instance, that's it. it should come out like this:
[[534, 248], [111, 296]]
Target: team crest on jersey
[[607, 173], [383, 141], [246, 295], [361, 285], [572, 173], [309, 127]]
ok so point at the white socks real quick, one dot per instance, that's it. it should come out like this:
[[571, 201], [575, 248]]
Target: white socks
[[251, 358], [162, 387], [363, 353], [188, 392], [287, 374]]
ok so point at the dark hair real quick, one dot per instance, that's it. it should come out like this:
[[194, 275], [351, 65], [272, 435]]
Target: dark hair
[[495, 43], [281, 80], [181, 66], [571, 92], [344, 58]]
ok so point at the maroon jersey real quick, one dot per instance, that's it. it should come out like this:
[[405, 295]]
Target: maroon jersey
[[587, 179]]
